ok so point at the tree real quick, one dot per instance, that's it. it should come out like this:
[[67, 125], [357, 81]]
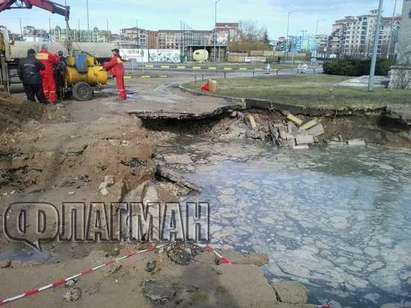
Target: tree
[[252, 37], [266, 38]]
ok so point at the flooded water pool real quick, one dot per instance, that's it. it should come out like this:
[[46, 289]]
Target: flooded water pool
[[336, 219]]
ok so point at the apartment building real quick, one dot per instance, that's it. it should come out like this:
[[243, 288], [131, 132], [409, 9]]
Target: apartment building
[[181, 39], [404, 45], [136, 36], [354, 35], [227, 32]]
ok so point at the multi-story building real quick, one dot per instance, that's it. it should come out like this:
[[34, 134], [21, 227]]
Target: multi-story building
[[227, 32], [61, 34], [354, 35], [281, 44], [31, 34], [152, 39], [135, 35], [169, 39], [404, 45]]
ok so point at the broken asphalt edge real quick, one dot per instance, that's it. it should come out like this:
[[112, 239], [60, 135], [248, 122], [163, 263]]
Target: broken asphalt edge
[[264, 104]]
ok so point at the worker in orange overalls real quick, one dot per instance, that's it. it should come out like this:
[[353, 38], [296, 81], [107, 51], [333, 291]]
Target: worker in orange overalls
[[47, 75], [116, 68]]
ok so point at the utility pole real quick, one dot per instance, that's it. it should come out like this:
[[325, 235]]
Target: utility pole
[[137, 35], [88, 21], [21, 29], [392, 30], [375, 50], [287, 39], [107, 31], [79, 31], [215, 29]]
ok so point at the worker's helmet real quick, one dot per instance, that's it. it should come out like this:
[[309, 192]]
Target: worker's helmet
[[31, 52]]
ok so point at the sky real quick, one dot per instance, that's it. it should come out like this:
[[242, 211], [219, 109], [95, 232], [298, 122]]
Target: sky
[[165, 14]]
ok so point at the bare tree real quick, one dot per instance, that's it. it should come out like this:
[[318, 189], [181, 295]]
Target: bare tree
[[252, 37]]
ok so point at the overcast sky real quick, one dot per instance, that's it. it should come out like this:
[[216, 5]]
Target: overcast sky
[[199, 14]]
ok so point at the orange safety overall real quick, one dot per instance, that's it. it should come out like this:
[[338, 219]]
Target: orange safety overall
[[47, 75], [116, 68]]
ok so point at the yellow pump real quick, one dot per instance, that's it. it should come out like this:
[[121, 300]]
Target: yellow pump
[[95, 75]]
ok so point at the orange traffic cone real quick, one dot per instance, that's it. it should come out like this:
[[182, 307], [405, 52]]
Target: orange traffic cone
[[205, 87]]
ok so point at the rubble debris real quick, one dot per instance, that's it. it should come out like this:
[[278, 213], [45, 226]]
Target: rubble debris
[[151, 266], [316, 131], [159, 292], [182, 253], [301, 147], [356, 142], [114, 268], [294, 119], [71, 283], [174, 177], [290, 292], [108, 181], [304, 139], [309, 124], [275, 135], [72, 295], [334, 143], [5, 264], [250, 121], [133, 163]]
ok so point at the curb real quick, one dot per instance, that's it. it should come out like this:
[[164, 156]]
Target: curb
[[264, 104]]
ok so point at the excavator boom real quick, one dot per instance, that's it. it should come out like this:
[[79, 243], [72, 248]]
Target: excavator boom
[[47, 5]]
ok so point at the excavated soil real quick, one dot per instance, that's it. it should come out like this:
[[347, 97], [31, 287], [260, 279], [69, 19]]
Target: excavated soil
[[64, 153]]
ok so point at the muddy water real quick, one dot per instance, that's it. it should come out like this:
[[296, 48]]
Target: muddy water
[[336, 219]]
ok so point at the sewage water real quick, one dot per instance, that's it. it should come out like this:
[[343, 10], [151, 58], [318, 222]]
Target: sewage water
[[336, 219]]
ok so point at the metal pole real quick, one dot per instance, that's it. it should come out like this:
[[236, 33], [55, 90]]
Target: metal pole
[[215, 30], [21, 29], [392, 30], [107, 35], [288, 34], [88, 21], [137, 35], [375, 50]]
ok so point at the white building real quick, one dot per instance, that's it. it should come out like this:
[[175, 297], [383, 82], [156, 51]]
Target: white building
[[354, 35]]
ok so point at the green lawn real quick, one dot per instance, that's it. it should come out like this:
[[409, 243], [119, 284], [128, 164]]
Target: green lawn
[[318, 91]]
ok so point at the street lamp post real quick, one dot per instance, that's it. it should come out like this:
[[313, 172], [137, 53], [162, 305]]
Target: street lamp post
[[288, 33], [215, 29], [391, 30], [375, 49], [88, 21]]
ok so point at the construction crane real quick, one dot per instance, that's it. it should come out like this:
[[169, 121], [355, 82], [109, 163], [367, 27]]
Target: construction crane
[[83, 73], [47, 5]]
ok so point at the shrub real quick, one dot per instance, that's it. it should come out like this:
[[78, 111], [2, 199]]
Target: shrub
[[356, 67]]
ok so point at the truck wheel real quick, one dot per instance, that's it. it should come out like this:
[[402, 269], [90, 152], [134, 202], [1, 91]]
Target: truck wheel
[[82, 91]]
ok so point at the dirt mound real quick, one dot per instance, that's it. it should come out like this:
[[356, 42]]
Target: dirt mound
[[14, 112]]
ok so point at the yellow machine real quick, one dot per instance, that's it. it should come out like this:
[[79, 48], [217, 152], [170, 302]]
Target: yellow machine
[[84, 73]]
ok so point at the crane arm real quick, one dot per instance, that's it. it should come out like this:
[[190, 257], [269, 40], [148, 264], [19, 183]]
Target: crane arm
[[47, 5]]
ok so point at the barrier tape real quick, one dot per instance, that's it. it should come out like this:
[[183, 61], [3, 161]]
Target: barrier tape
[[220, 257], [87, 271]]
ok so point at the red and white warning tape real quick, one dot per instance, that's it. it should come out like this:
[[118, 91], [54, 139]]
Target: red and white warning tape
[[61, 282], [220, 257]]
